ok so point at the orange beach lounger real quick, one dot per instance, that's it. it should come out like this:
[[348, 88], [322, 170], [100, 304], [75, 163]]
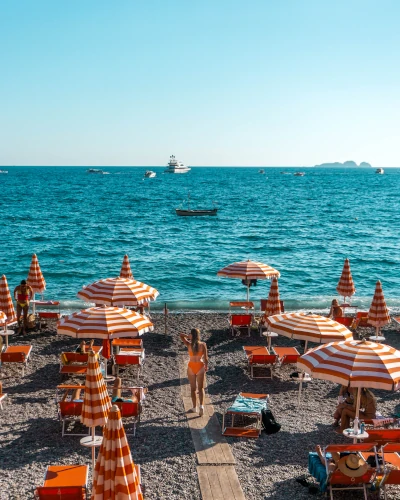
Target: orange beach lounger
[[260, 357], [17, 354], [64, 481], [251, 431]]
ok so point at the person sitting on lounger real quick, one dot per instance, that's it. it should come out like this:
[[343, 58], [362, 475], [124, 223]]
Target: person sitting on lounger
[[351, 464], [336, 311], [116, 396], [368, 406], [81, 349], [345, 400], [197, 367]]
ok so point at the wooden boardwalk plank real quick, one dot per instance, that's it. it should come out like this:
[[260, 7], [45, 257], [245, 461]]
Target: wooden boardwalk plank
[[205, 488], [219, 482]]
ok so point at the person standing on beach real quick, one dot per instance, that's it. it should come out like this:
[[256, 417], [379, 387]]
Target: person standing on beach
[[197, 367], [23, 293]]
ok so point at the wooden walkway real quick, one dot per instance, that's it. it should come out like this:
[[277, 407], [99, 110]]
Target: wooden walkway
[[216, 473]]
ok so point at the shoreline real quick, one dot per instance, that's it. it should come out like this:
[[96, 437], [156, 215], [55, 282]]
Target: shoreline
[[267, 467]]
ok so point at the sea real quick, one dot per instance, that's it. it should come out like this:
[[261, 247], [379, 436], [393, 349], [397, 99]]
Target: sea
[[81, 225]]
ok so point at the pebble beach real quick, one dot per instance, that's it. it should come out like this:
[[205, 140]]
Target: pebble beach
[[267, 467]]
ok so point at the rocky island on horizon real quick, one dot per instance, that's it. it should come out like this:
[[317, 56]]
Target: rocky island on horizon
[[346, 164]]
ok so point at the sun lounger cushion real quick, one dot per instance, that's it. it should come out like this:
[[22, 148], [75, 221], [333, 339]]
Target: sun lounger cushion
[[247, 405], [317, 469]]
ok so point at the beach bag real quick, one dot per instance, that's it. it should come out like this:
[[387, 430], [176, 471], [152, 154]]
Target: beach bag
[[269, 424], [31, 321]]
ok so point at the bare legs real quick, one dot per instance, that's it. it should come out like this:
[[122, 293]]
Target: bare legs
[[22, 310], [196, 381]]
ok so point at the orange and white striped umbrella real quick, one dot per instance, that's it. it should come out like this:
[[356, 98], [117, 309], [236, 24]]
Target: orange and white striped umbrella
[[6, 303], [378, 314], [346, 287], [115, 475], [126, 269], [96, 401], [248, 270], [104, 323], [358, 363], [273, 304], [118, 292], [35, 277], [308, 327]]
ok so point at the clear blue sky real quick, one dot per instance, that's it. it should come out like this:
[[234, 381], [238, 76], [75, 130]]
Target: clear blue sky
[[216, 82]]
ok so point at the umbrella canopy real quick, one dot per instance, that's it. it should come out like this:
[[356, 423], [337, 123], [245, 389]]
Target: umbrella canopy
[[346, 286], [115, 476], [118, 291], [96, 402], [104, 323], [248, 270], [355, 363], [35, 277], [273, 305], [308, 327], [126, 269], [6, 303], [378, 314]]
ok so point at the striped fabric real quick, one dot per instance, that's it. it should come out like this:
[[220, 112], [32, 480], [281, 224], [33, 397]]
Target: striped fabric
[[308, 327], [104, 323], [6, 303], [115, 476], [35, 277], [346, 287], [248, 270], [360, 363], [378, 314], [118, 292], [126, 269], [273, 305], [96, 402]]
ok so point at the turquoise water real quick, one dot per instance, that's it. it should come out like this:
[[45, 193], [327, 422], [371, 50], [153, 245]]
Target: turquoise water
[[80, 225]]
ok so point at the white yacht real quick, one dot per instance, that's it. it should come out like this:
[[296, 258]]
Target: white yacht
[[379, 171], [3, 171], [299, 174], [96, 171], [149, 174], [176, 167]]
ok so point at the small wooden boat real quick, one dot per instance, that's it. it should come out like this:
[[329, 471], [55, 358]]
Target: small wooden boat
[[194, 213]]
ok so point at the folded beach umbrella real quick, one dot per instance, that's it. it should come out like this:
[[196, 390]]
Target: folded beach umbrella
[[126, 269], [35, 278], [104, 323], [346, 287], [308, 327], [6, 303], [273, 304], [378, 314], [118, 292], [115, 475], [355, 363], [96, 401], [247, 271]]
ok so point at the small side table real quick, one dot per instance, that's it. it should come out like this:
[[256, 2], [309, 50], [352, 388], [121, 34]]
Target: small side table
[[304, 377], [89, 442], [377, 338], [270, 335], [349, 433], [6, 334]]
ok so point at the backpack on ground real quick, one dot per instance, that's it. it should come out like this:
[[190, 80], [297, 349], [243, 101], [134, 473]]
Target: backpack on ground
[[269, 424]]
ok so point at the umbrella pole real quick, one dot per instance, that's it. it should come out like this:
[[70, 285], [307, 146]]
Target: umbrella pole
[[300, 387], [34, 304], [357, 408], [305, 346], [93, 449], [248, 293]]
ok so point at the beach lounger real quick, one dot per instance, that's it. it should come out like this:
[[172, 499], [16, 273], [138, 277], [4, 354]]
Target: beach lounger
[[261, 358], [245, 412], [61, 482], [73, 363], [69, 410], [337, 480], [383, 436], [18, 354], [129, 356], [130, 410], [286, 355], [361, 321], [237, 322], [118, 343], [2, 398], [390, 455], [347, 321]]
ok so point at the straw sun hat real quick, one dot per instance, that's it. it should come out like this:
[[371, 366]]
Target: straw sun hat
[[352, 465]]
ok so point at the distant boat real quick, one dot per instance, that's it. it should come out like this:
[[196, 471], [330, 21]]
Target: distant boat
[[3, 171], [299, 174], [261, 171], [96, 171], [176, 167], [379, 171], [149, 174], [194, 213]]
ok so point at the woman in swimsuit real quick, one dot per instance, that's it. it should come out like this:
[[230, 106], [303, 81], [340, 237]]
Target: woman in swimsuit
[[23, 293], [197, 366]]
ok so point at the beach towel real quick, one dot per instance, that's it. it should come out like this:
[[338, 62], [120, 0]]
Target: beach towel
[[317, 469], [248, 405]]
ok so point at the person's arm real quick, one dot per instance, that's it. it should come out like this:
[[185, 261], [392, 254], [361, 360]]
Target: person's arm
[[30, 292], [184, 338], [205, 355], [16, 292]]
